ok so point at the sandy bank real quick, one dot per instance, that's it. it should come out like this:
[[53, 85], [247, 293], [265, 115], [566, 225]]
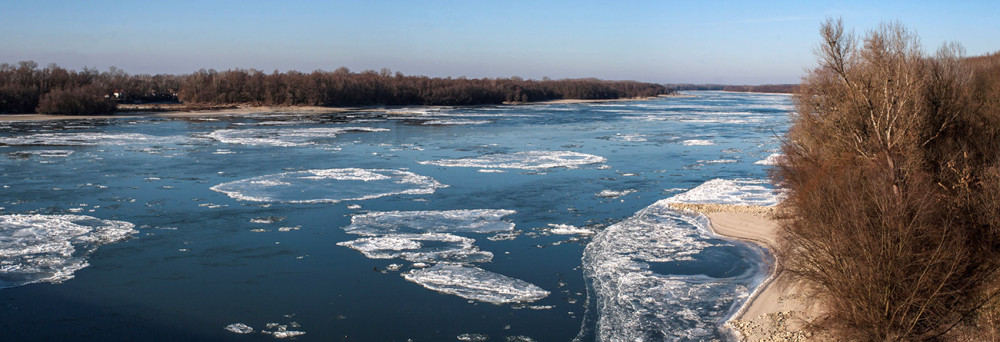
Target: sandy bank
[[777, 311]]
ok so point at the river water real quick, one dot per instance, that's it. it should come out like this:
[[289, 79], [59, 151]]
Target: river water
[[542, 222]]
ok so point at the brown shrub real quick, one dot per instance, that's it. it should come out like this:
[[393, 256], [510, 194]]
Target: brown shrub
[[894, 189], [76, 101]]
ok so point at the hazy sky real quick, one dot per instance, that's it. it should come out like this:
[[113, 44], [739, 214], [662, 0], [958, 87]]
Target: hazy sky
[[735, 42]]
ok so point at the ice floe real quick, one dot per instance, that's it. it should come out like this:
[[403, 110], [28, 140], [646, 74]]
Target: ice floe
[[772, 159], [41, 153], [285, 136], [697, 142], [443, 221], [730, 191], [328, 185], [475, 284], [90, 139], [239, 328], [454, 122], [658, 275], [50, 248], [528, 160], [615, 193], [566, 229], [429, 247]]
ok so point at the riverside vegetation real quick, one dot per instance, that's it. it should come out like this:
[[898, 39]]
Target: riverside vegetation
[[892, 168], [24, 88]]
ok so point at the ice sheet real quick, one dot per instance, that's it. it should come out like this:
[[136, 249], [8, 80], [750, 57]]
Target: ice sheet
[[328, 185], [528, 160], [476, 284], [635, 303], [429, 247], [697, 142], [445, 221], [50, 248], [285, 136], [730, 191]]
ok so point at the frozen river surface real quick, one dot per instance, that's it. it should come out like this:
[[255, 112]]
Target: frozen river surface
[[543, 222]]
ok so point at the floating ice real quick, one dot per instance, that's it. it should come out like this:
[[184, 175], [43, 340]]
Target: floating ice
[[239, 328], [90, 139], [697, 142], [615, 193], [429, 247], [446, 221], [772, 159], [285, 136], [50, 248], [328, 185], [476, 284], [41, 153], [528, 160], [267, 219], [659, 276], [565, 229], [725, 191], [453, 122], [473, 337]]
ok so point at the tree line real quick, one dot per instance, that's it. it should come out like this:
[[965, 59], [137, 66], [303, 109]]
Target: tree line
[[24, 88], [892, 168]]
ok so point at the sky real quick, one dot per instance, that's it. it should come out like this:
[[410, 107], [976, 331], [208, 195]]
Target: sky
[[727, 42]]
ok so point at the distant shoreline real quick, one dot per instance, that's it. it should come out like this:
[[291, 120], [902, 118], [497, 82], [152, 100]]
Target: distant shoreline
[[171, 110], [777, 309]]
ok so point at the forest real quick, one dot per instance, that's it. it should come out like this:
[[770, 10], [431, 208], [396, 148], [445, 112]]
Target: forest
[[892, 171], [25, 88], [762, 88]]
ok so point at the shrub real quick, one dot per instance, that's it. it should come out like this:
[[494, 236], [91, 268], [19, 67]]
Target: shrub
[[76, 101]]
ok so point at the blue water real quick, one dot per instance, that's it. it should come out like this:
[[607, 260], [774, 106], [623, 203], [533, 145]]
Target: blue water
[[196, 263]]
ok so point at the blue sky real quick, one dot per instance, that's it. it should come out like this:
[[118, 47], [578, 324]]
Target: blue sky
[[733, 42]]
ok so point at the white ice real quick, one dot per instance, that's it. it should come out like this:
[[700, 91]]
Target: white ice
[[239, 328], [90, 139], [476, 284], [615, 193], [772, 159], [528, 160], [328, 185], [453, 122], [634, 303], [285, 136], [730, 191], [42, 153], [429, 247], [697, 142], [50, 248], [444, 221]]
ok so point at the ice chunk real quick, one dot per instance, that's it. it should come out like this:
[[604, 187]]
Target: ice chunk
[[285, 136], [657, 276], [446, 221], [697, 142], [267, 219], [476, 284], [473, 337], [41, 153], [565, 229], [429, 247], [772, 159], [328, 185], [528, 160], [239, 328], [725, 191], [452, 122], [49, 248], [614, 193], [90, 139]]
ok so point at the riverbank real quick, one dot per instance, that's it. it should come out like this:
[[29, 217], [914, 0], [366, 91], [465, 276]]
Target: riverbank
[[777, 310]]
